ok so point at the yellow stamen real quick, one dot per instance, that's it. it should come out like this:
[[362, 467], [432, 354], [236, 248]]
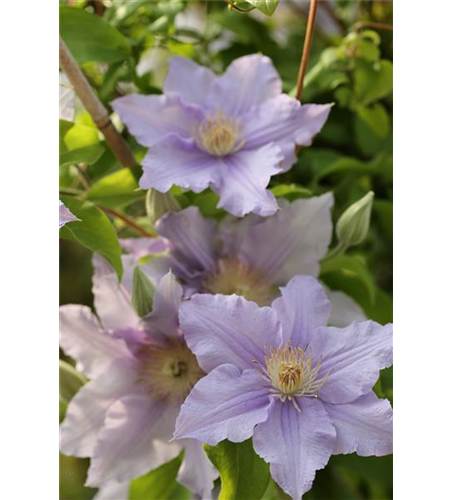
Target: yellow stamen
[[292, 373], [233, 276], [168, 372], [219, 135]]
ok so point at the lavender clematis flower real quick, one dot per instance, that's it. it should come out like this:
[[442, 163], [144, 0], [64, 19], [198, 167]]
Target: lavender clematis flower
[[301, 389], [140, 371], [65, 215], [231, 132], [250, 256]]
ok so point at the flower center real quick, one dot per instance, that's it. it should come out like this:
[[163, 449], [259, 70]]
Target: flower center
[[233, 276], [168, 372], [292, 373], [219, 135]]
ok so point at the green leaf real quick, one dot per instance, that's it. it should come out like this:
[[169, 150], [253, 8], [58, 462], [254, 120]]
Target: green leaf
[[267, 7], [116, 190], [94, 231], [142, 292], [65, 126], [376, 118], [87, 155], [353, 268], [80, 136], [243, 473], [160, 484], [291, 191], [373, 82], [384, 211], [104, 43]]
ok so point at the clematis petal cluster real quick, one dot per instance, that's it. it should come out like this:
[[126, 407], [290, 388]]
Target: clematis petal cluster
[[140, 371], [302, 390], [65, 215], [231, 133]]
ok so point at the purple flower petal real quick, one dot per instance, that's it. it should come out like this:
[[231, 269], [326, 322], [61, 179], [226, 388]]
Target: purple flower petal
[[141, 247], [150, 118], [113, 300], [163, 320], [192, 238], [286, 122], [82, 338], [188, 80], [113, 491], [226, 404], [291, 242], [65, 215], [354, 357], [196, 472], [132, 440], [248, 81], [364, 426], [302, 308], [86, 411], [296, 444], [176, 161], [228, 329], [242, 188], [344, 310]]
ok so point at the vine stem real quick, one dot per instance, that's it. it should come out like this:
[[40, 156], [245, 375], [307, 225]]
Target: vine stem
[[128, 221], [306, 48], [395, 27], [95, 108]]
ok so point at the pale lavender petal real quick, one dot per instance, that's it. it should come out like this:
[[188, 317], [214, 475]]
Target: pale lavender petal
[[286, 122], [192, 238], [248, 81], [151, 117], [67, 98], [141, 247], [302, 308], [176, 161], [82, 338], [133, 440], [197, 472], [113, 300], [291, 242], [226, 404], [353, 357], [242, 188], [344, 310], [86, 412], [228, 329], [188, 80], [113, 491], [364, 426], [163, 321], [296, 444], [65, 215]]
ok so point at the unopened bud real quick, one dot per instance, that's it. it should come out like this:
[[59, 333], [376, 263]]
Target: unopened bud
[[353, 225], [142, 293], [158, 204]]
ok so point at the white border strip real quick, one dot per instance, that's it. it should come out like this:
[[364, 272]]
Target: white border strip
[[423, 431], [422, 344]]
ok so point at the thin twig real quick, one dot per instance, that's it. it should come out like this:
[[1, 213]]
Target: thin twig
[[394, 27], [71, 191], [306, 48], [128, 221], [96, 109], [82, 177]]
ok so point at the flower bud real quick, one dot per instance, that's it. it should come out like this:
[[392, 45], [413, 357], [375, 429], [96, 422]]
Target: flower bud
[[142, 293], [353, 224], [158, 204]]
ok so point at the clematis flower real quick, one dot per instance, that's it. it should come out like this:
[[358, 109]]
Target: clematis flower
[[231, 132], [65, 215], [140, 371], [251, 256], [301, 389]]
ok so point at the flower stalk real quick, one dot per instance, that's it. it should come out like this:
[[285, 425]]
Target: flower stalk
[[306, 48]]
